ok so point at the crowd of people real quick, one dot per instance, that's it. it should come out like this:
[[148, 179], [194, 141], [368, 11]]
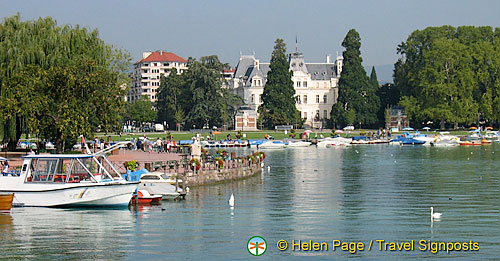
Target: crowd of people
[[158, 145]]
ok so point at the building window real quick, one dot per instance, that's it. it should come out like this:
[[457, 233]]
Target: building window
[[146, 65], [260, 98], [253, 98], [304, 84], [317, 98], [325, 114], [298, 99], [297, 83], [305, 115], [305, 99], [317, 115], [325, 98]]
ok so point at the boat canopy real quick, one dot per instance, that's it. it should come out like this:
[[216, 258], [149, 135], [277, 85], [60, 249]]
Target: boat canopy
[[69, 168]]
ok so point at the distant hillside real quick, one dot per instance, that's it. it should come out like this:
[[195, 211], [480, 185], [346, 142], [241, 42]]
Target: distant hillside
[[384, 72]]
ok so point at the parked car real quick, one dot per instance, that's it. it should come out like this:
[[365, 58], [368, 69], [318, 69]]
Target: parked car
[[348, 128]]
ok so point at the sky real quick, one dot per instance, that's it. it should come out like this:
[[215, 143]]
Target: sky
[[196, 28]]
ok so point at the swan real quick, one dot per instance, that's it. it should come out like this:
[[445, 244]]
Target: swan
[[231, 200], [435, 215]]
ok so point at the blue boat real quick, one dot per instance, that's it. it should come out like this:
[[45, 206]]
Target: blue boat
[[406, 139]]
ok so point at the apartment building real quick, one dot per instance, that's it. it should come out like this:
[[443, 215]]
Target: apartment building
[[147, 72]]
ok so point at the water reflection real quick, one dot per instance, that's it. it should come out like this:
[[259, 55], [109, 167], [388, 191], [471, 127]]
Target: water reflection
[[49, 233]]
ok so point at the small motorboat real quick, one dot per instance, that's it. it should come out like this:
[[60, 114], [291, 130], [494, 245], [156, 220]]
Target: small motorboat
[[159, 183], [426, 139], [272, 144], [6, 201], [144, 197], [334, 142], [445, 141], [470, 143], [298, 143]]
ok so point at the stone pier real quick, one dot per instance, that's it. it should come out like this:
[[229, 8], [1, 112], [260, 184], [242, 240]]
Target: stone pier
[[205, 177]]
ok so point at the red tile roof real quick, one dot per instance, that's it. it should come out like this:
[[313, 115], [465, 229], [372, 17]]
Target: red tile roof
[[163, 57]]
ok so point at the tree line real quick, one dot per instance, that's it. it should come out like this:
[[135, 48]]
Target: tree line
[[449, 76]]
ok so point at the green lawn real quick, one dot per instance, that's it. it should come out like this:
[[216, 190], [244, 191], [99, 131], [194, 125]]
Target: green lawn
[[251, 134]]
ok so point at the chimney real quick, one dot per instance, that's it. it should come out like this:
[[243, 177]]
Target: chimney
[[256, 64], [328, 59]]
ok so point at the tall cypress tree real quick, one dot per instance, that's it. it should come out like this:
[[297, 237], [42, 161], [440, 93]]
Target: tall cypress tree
[[355, 91], [278, 99], [373, 79]]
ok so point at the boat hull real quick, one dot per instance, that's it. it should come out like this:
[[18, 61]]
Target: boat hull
[[167, 190], [6, 201], [92, 194]]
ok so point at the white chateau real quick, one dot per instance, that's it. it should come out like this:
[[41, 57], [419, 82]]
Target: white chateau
[[316, 88], [147, 72]]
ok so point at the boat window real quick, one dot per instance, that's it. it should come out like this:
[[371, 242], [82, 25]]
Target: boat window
[[44, 170], [109, 169], [79, 171], [150, 177], [48, 170], [164, 176]]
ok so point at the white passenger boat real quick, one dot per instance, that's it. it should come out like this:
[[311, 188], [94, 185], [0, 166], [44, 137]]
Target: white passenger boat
[[67, 180], [159, 183]]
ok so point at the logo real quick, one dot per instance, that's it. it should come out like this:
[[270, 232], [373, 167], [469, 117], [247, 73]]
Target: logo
[[257, 246]]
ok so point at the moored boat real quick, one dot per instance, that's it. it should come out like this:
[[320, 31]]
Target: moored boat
[[159, 183], [272, 144], [67, 180], [144, 197], [333, 142], [445, 141], [470, 143], [6, 201], [298, 143]]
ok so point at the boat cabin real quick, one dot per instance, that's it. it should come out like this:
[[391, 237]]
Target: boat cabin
[[73, 168]]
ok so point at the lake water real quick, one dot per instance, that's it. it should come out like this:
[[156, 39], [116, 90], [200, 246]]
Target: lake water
[[355, 194]]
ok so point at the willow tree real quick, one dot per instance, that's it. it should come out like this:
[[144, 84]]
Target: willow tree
[[57, 82]]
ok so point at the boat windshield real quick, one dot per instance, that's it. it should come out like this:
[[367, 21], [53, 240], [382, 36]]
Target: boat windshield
[[67, 170]]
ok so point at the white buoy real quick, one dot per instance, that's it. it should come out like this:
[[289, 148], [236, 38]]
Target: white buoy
[[231, 200], [435, 215]]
